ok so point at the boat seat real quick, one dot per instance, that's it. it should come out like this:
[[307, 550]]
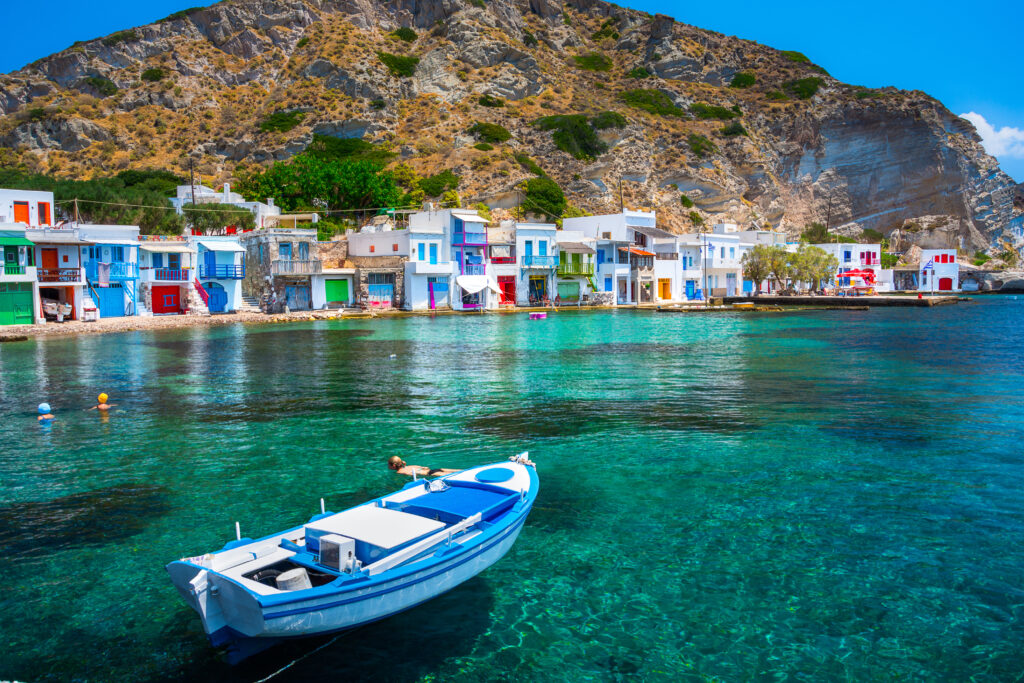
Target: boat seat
[[456, 503]]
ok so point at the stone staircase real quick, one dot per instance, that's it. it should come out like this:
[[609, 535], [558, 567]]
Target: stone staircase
[[250, 304], [196, 305]]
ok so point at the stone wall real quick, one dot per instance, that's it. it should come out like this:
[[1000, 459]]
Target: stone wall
[[379, 264], [333, 254]]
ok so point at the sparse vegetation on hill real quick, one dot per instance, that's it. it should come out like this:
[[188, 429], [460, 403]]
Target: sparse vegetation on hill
[[437, 184], [574, 134], [743, 80], [543, 195], [652, 101], [489, 132], [710, 111], [803, 88], [400, 66], [405, 33], [282, 121], [594, 61], [700, 145], [153, 75]]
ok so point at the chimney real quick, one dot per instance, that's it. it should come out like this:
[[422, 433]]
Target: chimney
[[227, 192], [270, 201]]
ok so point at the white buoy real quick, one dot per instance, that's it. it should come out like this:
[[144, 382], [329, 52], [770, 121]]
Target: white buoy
[[393, 356], [323, 509], [238, 532]]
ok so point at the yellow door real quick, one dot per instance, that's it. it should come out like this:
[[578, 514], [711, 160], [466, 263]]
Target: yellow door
[[664, 289]]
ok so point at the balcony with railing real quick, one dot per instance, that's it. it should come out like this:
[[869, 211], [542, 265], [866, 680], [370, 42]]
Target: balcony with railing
[[67, 275], [222, 271], [14, 272], [167, 274], [469, 238], [870, 262], [119, 271], [535, 261], [290, 267], [663, 256], [474, 269], [569, 268]]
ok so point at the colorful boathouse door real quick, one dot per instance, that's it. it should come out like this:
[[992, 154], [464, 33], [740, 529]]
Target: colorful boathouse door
[[218, 297], [691, 289], [111, 301], [166, 299], [945, 284]]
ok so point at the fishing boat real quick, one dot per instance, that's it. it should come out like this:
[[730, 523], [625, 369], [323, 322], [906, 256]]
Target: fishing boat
[[341, 570]]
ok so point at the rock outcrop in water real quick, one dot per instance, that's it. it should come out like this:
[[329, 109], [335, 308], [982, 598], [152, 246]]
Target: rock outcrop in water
[[200, 83]]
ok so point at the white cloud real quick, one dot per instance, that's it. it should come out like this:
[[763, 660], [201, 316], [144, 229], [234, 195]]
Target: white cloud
[[1006, 142]]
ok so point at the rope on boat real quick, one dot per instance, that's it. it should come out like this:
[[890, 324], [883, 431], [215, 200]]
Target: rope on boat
[[299, 659]]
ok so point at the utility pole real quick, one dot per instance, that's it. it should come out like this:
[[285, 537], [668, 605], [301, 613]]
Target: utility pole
[[76, 210], [622, 207], [192, 180], [828, 215]]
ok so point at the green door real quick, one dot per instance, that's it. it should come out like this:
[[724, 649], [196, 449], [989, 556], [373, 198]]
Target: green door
[[16, 303], [336, 291]]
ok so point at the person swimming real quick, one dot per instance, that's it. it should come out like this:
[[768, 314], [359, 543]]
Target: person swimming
[[398, 465], [102, 403], [44, 413]]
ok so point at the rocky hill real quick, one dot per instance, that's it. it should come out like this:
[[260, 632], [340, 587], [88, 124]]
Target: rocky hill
[[744, 132]]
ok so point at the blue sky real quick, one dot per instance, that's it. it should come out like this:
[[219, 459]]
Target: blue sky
[[968, 56]]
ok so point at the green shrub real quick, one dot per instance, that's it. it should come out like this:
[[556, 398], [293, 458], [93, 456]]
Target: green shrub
[[889, 260], [794, 56], [607, 30], [608, 119], [120, 37], [711, 111], [573, 134], [529, 164], [405, 33], [981, 258], [490, 101], [303, 42], [871, 236], [743, 80], [104, 86], [593, 62], [153, 75], [282, 121], [478, 3], [700, 145], [35, 114], [653, 101], [489, 132], [529, 40], [329, 148], [686, 201], [437, 184], [599, 85], [695, 218], [776, 95], [861, 93], [180, 14], [378, 104], [638, 72], [804, 88], [400, 66], [484, 146], [566, 19], [733, 129], [543, 195]]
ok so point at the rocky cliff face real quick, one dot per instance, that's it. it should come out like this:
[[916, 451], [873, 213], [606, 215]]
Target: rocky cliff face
[[199, 85]]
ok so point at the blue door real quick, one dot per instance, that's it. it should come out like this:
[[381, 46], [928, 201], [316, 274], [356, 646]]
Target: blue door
[[218, 298], [607, 284], [111, 303], [528, 248], [691, 289], [211, 263]]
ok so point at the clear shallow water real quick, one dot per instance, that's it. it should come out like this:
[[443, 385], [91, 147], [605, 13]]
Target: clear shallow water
[[811, 495]]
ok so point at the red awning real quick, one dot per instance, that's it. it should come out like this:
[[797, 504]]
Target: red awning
[[865, 274], [637, 252]]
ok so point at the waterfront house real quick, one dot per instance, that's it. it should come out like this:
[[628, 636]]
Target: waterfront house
[[19, 292], [575, 272], [536, 249], [111, 259], [624, 259], [467, 231], [939, 271], [428, 270], [853, 256], [503, 259], [379, 252], [167, 273], [60, 270], [30, 208], [279, 266], [220, 269], [335, 286], [719, 260]]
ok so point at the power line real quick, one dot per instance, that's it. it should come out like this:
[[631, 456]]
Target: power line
[[239, 210]]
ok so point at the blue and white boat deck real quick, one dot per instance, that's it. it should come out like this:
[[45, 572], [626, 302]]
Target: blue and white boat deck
[[341, 570]]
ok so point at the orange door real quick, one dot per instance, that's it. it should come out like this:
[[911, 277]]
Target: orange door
[[44, 213], [49, 259], [21, 212]]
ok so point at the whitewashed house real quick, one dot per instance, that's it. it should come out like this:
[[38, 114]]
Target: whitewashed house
[[537, 254], [428, 272], [266, 214], [575, 272], [220, 269], [31, 208], [19, 291], [60, 268], [939, 271], [167, 276], [720, 254], [111, 259], [503, 261]]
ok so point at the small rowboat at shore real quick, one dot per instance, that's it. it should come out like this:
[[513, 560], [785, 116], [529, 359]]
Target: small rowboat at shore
[[342, 570]]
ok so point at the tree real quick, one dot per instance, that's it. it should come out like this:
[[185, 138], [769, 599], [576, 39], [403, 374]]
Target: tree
[[801, 264], [778, 263], [757, 265], [210, 218], [544, 196], [821, 265], [307, 182]]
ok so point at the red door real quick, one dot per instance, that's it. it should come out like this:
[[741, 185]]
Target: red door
[[21, 212], [507, 284], [167, 299], [945, 284]]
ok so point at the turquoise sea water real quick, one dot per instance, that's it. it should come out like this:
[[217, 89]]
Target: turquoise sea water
[[815, 495]]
